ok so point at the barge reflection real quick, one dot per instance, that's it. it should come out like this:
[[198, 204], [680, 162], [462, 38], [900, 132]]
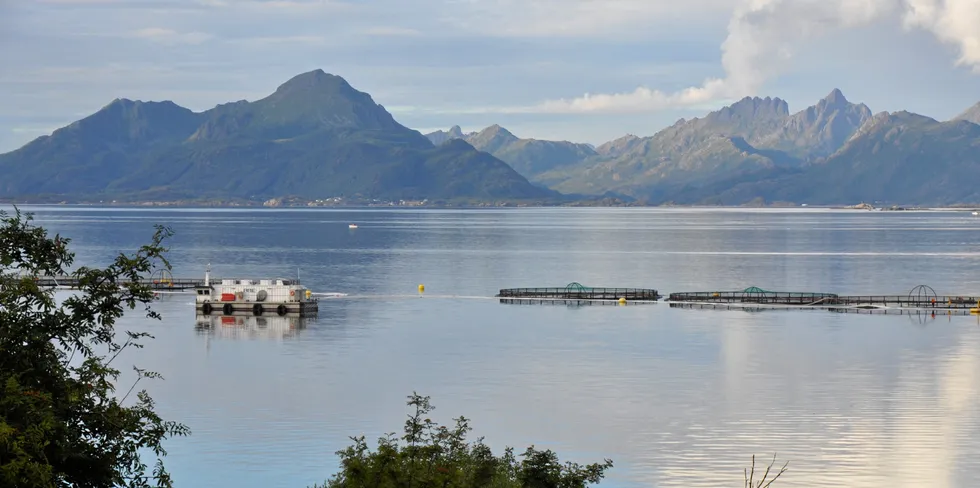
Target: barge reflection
[[238, 327]]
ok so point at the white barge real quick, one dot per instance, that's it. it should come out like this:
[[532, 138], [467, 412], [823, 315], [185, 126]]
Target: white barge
[[254, 297]]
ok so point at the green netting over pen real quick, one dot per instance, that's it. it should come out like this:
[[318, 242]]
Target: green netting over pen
[[753, 294], [578, 291]]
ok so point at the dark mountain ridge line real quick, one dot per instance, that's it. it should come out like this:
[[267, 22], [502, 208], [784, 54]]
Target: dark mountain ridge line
[[755, 150], [314, 137], [529, 157]]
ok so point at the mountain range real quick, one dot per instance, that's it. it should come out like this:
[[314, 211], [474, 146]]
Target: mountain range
[[316, 137], [971, 114], [529, 157], [752, 138], [757, 151]]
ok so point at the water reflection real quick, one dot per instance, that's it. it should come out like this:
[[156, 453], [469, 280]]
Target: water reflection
[[242, 327]]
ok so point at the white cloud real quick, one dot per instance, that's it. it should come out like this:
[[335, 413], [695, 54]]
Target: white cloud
[[268, 41], [640, 100], [289, 7], [169, 36], [119, 5], [572, 18], [955, 22], [762, 36], [492, 57], [137, 73], [33, 130], [391, 31], [80, 2]]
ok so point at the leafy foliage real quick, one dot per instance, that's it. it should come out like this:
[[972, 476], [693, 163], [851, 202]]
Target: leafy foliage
[[432, 455], [61, 422]]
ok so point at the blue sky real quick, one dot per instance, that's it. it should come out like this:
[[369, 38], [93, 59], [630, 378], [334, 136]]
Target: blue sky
[[524, 64]]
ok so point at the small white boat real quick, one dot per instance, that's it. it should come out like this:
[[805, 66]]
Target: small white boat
[[352, 226]]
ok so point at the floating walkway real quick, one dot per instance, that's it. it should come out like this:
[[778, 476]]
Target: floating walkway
[[571, 303], [755, 308], [754, 295], [920, 297], [159, 281], [576, 291]]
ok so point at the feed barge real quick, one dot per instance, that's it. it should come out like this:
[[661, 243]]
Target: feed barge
[[254, 297], [576, 291]]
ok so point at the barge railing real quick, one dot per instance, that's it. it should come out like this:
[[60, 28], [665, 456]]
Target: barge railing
[[156, 283]]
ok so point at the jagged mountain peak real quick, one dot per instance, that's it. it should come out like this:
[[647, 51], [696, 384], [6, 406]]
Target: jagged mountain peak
[[529, 157], [128, 104], [904, 116], [314, 137], [818, 130], [492, 138], [318, 88], [316, 80], [497, 130], [618, 147], [306, 103], [440, 137], [836, 101], [740, 118], [755, 107], [971, 114], [891, 120], [121, 102], [459, 143], [126, 121], [836, 97]]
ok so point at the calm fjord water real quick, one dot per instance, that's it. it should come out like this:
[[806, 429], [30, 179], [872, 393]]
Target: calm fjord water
[[676, 397]]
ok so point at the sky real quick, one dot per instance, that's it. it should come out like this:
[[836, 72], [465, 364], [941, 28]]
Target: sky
[[579, 70]]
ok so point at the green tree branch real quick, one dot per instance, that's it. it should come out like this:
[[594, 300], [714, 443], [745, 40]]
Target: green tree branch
[[61, 423]]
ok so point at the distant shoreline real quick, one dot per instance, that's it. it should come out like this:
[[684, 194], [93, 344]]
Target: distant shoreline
[[476, 205]]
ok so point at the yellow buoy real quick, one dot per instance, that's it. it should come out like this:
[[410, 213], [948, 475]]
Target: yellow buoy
[[622, 300], [421, 288]]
